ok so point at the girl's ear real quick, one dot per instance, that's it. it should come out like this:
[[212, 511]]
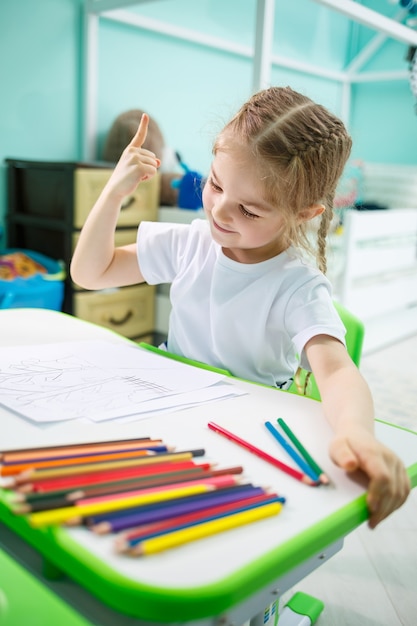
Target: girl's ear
[[311, 212]]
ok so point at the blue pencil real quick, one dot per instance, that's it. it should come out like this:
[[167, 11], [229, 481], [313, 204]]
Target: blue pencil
[[204, 516], [293, 454]]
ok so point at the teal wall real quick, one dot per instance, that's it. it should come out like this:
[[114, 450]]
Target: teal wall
[[39, 82], [189, 89]]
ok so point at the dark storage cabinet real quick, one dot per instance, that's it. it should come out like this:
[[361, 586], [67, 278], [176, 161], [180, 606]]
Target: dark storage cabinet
[[48, 203]]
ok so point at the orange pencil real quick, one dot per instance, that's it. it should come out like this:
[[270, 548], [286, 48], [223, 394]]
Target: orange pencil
[[10, 456], [17, 468]]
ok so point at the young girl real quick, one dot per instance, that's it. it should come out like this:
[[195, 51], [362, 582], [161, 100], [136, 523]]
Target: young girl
[[243, 296]]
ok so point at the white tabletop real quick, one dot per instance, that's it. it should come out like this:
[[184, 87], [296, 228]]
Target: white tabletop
[[234, 553]]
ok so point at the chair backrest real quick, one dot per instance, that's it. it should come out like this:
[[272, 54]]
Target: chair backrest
[[355, 332]]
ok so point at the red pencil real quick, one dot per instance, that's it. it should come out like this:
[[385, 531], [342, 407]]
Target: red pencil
[[261, 454], [96, 478]]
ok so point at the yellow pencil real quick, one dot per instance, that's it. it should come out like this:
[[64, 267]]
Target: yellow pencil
[[59, 516], [186, 535]]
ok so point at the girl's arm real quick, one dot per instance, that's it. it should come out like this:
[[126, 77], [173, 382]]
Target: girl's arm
[[348, 406], [97, 263]]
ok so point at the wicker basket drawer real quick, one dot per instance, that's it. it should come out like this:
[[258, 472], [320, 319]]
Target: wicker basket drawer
[[129, 311], [140, 206]]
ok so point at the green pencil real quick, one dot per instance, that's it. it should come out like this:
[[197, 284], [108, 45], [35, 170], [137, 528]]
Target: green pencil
[[316, 468]]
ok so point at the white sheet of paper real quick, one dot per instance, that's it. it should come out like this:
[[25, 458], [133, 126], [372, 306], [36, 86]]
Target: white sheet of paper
[[97, 380], [219, 391]]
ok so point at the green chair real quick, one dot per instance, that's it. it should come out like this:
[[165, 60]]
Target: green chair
[[355, 332]]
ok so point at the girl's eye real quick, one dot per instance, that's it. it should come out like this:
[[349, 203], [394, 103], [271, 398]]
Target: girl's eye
[[213, 185], [247, 213]]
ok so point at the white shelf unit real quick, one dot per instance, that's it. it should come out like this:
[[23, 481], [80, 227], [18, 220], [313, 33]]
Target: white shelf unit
[[376, 256], [379, 281]]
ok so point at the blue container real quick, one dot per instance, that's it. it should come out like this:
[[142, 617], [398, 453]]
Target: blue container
[[41, 291]]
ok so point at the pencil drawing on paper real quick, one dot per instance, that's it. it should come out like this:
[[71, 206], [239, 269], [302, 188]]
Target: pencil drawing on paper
[[87, 379], [71, 381]]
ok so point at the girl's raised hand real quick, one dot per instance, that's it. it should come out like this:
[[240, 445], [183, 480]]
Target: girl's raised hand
[[136, 164]]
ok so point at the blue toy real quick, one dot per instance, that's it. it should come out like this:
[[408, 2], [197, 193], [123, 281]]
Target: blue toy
[[190, 188]]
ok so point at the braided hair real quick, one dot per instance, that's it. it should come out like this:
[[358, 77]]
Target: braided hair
[[301, 150]]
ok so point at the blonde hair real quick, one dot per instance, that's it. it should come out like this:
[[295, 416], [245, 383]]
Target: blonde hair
[[301, 150]]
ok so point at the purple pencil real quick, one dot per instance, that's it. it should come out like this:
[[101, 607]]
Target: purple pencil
[[144, 517], [91, 520], [130, 539]]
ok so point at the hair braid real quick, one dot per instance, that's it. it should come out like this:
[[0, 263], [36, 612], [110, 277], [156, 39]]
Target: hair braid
[[301, 149]]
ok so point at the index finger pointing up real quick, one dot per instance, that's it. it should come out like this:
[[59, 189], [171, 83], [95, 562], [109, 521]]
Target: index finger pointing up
[[140, 136]]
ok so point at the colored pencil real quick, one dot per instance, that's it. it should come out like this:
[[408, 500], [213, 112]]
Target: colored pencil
[[49, 454], [11, 469], [314, 466], [133, 537], [262, 454], [58, 516], [42, 502], [137, 531], [244, 488], [117, 521], [305, 467], [23, 453], [186, 535], [33, 475], [25, 503], [109, 476], [218, 482], [101, 486], [166, 479]]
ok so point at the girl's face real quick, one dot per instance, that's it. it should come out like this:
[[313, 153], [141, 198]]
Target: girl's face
[[248, 228]]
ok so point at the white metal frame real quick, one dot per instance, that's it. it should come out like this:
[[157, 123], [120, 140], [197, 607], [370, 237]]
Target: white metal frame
[[262, 55]]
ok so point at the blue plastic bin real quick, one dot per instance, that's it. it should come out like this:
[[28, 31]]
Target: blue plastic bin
[[43, 291]]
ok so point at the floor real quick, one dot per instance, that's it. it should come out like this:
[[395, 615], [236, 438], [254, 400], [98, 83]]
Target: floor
[[373, 580]]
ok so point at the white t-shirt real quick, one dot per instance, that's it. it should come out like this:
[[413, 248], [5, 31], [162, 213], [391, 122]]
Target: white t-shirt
[[251, 319]]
